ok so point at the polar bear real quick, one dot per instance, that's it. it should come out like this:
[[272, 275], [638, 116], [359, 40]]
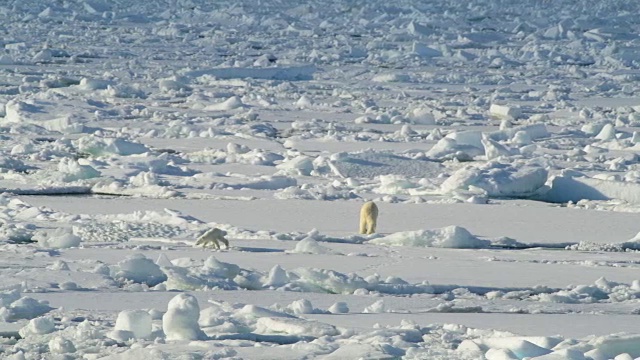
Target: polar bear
[[214, 237], [368, 218]]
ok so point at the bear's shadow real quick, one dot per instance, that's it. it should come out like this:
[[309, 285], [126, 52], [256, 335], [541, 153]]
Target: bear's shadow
[[257, 249]]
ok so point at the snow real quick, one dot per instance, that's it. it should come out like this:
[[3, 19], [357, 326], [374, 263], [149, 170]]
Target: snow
[[499, 142], [309, 245], [498, 179], [138, 322], [59, 239], [505, 111], [448, 237], [38, 326], [60, 345], [570, 188], [138, 268], [97, 146], [180, 322]]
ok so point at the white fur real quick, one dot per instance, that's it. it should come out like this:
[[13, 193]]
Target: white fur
[[214, 237], [368, 218]]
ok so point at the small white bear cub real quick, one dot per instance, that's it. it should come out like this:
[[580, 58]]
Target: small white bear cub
[[214, 237], [368, 218]]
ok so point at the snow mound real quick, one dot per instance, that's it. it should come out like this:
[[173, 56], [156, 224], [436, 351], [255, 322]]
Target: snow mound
[[449, 148], [94, 84], [60, 345], [395, 184], [611, 346], [302, 306], [11, 163], [465, 145], [316, 192], [534, 131], [71, 170], [180, 322], [446, 237], [329, 281], [299, 165], [421, 116], [231, 103], [38, 326], [213, 273], [22, 308], [468, 137], [618, 346], [139, 269], [221, 269], [18, 111], [339, 307], [310, 245], [138, 322], [58, 239], [293, 326], [377, 307], [235, 154], [493, 149], [424, 51], [277, 277], [508, 348], [304, 102], [505, 111], [98, 146], [183, 275], [498, 179]]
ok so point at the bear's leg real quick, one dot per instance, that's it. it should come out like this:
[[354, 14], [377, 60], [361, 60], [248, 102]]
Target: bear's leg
[[371, 226], [225, 241], [363, 226]]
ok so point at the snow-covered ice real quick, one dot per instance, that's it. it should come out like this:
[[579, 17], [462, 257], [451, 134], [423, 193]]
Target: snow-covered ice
[[180, 322], [499, 141]]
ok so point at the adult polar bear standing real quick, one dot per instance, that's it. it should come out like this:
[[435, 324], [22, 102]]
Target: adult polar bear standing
[[368, 218]]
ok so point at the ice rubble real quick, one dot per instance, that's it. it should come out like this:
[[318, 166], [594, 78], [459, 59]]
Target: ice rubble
[[136, 322], [505, 111], [212, 274], [60, 239], [575, 187], [386, 44], [469, 144], [351, 165], [138, 268], [14, 306], [498, 179], [184, 320], [100, 146], [38, 326]]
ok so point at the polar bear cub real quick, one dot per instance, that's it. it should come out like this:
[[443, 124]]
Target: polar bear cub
[[214, 237], [368, 218]]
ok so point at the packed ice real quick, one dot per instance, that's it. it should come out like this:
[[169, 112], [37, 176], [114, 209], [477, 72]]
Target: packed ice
[[498, 139]]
